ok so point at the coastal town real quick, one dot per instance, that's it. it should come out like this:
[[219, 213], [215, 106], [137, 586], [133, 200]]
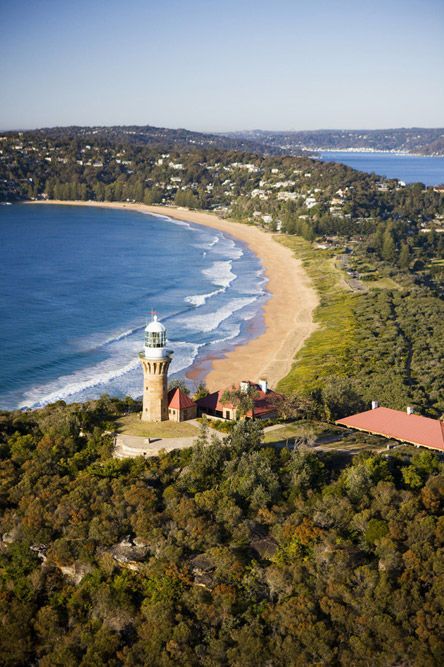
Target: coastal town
[[88, 165]]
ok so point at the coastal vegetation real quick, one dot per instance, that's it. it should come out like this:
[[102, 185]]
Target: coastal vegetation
[[224, 554], [383, 344]]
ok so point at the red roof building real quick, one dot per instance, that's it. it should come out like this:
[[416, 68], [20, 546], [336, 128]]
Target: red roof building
[[180, 406], [264, 407], [403, 426]]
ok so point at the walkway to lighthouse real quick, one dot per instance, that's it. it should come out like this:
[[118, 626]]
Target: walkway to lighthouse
[[129, 446]]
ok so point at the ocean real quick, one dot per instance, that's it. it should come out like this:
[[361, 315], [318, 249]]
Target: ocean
[[78, 284], [407, 168]]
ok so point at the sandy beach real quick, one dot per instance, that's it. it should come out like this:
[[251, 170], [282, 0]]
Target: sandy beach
[[288, 314]]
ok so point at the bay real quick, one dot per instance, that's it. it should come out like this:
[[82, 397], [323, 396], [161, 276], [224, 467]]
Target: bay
[[77, 285], [404, 167]]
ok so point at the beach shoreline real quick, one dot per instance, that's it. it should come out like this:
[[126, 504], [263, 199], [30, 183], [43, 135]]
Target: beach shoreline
[[288, 313]]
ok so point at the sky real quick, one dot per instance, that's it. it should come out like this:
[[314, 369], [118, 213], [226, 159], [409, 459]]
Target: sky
[[222, 65]]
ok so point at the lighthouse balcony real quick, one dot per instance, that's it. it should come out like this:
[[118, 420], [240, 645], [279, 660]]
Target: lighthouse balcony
[[155, 353]]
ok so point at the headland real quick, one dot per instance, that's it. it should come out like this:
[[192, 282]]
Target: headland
[[288, 313]]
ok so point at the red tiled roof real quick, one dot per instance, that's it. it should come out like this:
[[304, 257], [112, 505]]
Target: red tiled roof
[[178, 400], [399, 425], [263, 402]]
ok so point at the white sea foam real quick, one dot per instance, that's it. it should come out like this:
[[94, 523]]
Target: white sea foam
[[228, 248], [182, 223], [211, 321], [69, 385], [157, 215], [95, 341], [124, 376], [234, 333], [206, 244], [184, 355], [200, 299], [233, 250], [179, 223], [220, 273], [121, 336]]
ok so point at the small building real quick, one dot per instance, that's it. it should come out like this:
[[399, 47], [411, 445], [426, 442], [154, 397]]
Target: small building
[[264, 403], [180, 406], [397, 425]]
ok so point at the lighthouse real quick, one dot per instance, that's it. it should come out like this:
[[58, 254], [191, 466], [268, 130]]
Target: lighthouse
[[155, 360]]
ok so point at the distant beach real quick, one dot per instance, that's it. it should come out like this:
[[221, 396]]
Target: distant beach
[[288, 314]]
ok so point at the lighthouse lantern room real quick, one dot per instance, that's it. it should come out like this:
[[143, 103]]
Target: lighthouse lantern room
[[155, 360]]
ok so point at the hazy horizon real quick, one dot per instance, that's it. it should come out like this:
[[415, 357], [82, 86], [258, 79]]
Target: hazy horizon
[[241, 130], [223, 66]]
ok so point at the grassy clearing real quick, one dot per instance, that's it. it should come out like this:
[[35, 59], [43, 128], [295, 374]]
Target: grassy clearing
[[132, 425], [308, 429], [327, 351], [384, 283], [326, 437], [353, 447]]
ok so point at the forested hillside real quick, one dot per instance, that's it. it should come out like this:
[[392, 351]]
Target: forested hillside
[[226, 554], [426, 141], [383, 343]]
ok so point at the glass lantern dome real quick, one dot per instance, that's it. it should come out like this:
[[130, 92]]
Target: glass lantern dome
[[155, 339]]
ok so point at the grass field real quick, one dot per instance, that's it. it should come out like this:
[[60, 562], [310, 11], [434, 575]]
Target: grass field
[[301, 429], [325, 436], [384, 283], [327, 351], [132, 425]]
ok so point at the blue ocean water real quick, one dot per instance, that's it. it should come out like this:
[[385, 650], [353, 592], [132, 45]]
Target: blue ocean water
[[77, 285], [407, 168]]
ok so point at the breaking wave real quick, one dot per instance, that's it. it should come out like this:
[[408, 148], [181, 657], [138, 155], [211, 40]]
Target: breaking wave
[[210, 321], [76, 383], [201, 299], [220, 273]]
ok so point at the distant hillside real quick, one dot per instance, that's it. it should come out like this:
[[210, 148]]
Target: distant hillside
[[427, 141], [149, 135]]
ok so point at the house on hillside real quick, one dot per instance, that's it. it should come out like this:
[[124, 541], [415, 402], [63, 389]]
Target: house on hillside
[[263, 398], [403, 426]]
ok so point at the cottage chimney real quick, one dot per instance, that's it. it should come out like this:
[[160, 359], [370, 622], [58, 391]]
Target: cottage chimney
[[410, 410], [263, 385], [375, 405], [244, 386]]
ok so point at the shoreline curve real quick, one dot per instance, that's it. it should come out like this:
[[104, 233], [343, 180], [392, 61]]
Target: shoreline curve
[[288, 313]]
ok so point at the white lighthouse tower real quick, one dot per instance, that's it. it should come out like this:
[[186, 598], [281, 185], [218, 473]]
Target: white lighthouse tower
[[155, 360]]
